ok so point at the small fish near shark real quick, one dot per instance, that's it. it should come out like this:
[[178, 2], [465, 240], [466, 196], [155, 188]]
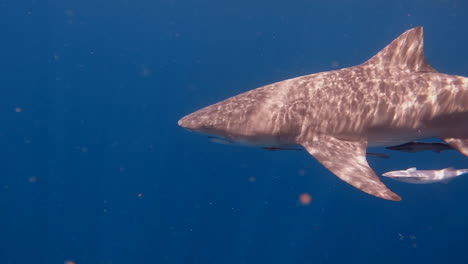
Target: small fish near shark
[[412, 175], [392, 98], [421, 146]]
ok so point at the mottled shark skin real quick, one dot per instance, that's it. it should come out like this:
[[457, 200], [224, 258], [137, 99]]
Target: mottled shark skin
[[393, 98]]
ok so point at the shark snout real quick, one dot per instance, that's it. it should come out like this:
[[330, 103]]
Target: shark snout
[[185, 122], [193, 122]]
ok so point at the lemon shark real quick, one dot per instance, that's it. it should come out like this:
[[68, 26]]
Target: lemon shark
[[392, 98]]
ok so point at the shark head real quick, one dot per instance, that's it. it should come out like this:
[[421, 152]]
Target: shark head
[[218, 123], [241, 120]]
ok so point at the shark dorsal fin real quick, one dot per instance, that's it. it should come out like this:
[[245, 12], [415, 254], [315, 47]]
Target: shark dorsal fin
[[403, 53]]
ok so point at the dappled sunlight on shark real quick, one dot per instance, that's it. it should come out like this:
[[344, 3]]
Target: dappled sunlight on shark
[[393, 98]]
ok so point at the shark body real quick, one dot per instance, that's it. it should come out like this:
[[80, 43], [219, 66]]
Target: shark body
[[393, 98]]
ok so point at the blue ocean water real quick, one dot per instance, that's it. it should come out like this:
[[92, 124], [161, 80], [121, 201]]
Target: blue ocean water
[[94, 168]]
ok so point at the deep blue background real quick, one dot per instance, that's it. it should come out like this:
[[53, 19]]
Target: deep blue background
[[94, 169]]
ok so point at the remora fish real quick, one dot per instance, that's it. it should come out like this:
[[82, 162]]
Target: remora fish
[[274, 148], [393, 98], [412, 175], [421, 146]]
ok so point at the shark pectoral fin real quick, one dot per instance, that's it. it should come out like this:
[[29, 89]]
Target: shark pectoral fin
[[459, 144], [347, 160]]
